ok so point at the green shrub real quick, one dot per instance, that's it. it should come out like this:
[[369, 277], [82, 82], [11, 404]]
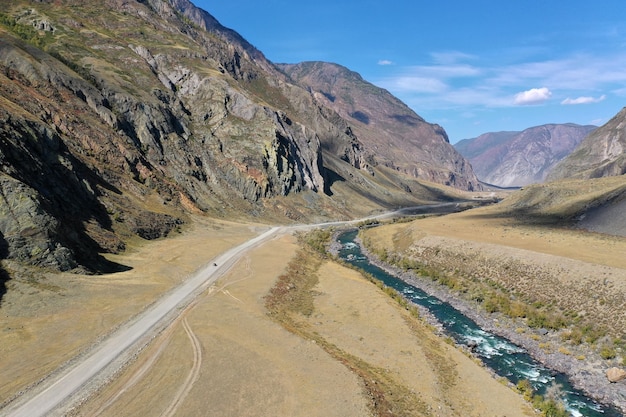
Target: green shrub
[[608, 352], [25, 32], [317, 239]]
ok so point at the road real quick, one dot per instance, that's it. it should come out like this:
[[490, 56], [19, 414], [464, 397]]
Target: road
[[60, 389], [52, 393]]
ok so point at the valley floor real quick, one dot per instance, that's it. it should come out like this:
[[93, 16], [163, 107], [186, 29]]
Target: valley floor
[[224, 355]]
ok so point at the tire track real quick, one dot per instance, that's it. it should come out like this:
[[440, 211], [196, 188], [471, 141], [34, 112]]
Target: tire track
[[138, 375], [165, 340], [194, 373]]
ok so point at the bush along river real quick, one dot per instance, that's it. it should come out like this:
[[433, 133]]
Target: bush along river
[[503, 357]]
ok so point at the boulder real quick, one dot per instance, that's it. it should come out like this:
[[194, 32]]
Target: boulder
[[615, 374]]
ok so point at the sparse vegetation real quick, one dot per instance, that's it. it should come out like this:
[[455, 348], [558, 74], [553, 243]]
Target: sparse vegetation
[[508, 287], [293, 295], [26, 32], [489, 293], [549, 405], [318, 240], [607, 352]]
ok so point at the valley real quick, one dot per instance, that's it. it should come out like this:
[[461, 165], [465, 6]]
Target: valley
[[241, 358], [226, 337], [169, 196]]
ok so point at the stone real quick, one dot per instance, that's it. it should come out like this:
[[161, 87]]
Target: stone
[[615, 374]]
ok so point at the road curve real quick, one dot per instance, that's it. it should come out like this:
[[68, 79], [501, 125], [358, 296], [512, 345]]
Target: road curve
[[51, 393]]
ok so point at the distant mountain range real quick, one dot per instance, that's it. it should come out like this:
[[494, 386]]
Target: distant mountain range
[[509, 159]]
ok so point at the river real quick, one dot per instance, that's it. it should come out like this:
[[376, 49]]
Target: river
[[502, 356]]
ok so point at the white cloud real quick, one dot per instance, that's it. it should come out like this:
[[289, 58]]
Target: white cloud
[[532, 96], [417, 84], [577, 72], [444, 71], [447, 58], [620, 92], [385, 62], [583, 100], [452, 82]]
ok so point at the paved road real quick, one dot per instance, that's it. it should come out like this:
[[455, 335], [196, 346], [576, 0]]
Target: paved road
[[64, 385]]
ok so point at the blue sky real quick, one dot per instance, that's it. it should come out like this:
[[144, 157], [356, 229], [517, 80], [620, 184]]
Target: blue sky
[[471, 66]]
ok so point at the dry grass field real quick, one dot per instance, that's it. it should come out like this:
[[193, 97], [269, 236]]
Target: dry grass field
[[226, 355], [511, 246], [351, 350], [48, 319]]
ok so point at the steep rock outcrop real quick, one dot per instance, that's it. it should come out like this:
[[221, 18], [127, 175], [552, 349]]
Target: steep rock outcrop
[[394, 134], [601, 154], [127, 115]]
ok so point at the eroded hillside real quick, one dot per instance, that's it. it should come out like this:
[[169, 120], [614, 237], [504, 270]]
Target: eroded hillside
[[120, 118]]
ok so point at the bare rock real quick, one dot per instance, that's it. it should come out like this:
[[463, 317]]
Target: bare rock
[[615, 374], [601, 154]]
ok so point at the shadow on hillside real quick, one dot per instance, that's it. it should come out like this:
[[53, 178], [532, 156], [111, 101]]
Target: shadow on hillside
[[529, 216], [437, 194], [4, 275], [331, 178], [101, 265]]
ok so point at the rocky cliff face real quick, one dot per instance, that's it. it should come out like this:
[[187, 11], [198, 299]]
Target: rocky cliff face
[[399, 138], [120, 118], [601, 154], [508, 159]]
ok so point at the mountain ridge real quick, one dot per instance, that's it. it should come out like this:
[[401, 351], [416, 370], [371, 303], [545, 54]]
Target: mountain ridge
[[402, 139], [601, 154], [510, 158]]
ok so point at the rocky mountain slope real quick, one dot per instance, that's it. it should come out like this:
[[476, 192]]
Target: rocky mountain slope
[[398, 137], [601, 154], [508, 159], [120, 118]]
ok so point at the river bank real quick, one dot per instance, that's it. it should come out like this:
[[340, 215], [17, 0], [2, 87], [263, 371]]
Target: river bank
[[586, 374]]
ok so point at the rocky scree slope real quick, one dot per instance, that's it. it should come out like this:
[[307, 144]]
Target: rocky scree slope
[[398, 138], [509, 159], [119, 118], [601, 154]]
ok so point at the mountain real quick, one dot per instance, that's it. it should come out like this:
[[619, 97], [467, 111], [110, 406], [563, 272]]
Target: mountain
[[399, 138], [509, 159], [123, 118], [601, 154]]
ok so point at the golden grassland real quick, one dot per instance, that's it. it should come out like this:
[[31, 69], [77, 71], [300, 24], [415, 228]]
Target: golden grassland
[[287, 332], [343, 347], [48, 318], [518, 258]]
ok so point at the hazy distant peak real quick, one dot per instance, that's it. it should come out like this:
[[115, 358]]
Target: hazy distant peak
[[510, 158]]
